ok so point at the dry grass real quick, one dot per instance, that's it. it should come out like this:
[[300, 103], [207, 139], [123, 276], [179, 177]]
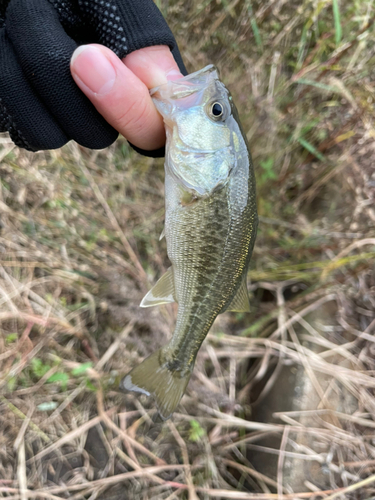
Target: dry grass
[[282, 401]]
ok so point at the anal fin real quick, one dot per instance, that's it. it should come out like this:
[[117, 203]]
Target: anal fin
[[240, 302], [161, 293]]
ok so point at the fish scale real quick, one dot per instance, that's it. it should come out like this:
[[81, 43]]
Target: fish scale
[[210, 227]]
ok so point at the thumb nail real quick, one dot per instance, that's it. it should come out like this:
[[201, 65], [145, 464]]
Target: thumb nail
[[91, 67]]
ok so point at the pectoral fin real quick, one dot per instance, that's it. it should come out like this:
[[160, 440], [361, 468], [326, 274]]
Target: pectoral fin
[[162, 234], [162, 293], [240, 302]]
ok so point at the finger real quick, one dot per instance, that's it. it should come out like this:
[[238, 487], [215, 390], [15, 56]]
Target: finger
[[119, 95], [153, 65]]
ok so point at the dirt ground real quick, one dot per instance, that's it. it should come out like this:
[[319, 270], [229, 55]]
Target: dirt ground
[[281, 404]]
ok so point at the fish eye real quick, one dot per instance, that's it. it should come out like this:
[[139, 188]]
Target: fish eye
[[217, 109]]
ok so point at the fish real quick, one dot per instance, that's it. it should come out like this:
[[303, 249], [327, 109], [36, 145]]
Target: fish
[[210, 227]]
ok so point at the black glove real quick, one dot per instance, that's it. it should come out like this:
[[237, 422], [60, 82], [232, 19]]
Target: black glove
[[40, 105]]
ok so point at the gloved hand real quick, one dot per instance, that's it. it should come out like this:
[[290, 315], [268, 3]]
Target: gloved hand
[[40, 104]]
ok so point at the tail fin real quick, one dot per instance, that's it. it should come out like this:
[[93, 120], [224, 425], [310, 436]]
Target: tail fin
[[153, 378]]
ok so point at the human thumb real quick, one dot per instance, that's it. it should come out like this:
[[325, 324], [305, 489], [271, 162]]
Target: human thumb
[[120, 89]]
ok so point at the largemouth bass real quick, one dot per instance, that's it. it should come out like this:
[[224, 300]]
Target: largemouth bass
[[210, 227]]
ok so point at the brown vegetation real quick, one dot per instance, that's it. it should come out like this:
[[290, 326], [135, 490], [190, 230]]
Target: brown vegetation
[[282, 402]]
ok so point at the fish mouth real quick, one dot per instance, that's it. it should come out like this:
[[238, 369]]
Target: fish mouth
[[189, 84]]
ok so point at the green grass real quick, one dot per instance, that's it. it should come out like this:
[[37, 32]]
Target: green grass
[[336, 18]]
